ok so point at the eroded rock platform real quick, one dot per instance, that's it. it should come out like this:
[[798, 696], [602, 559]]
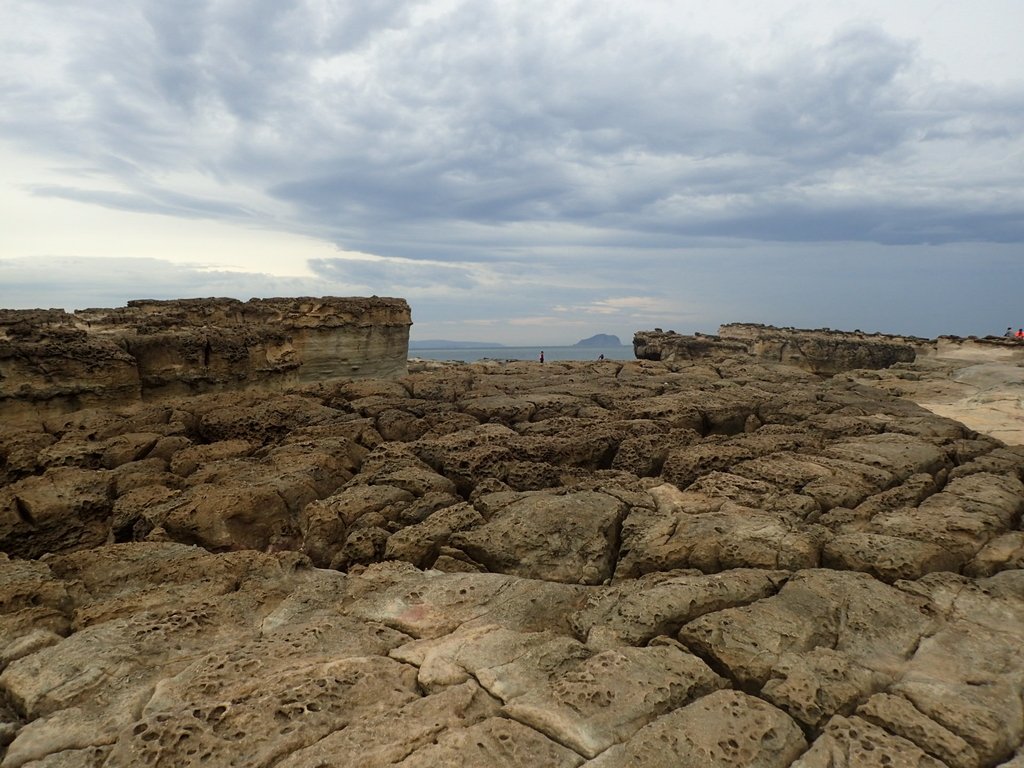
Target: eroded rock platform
[[727, 563]]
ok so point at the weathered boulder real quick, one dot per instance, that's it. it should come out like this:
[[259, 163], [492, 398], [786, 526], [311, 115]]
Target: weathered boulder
[[569, 538], [420, 544], [635, 611], [887, 557], [720, 730], [901, 718], [63, 509], [875, 626], [325, 523], [606, 698], [695, 530], [852, 741], [431, 604], [968, 513]]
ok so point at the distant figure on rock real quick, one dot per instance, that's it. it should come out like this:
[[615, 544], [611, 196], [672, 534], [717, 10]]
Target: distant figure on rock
[[601, 356], [1020, 333], [1009, 333], [542, 356]]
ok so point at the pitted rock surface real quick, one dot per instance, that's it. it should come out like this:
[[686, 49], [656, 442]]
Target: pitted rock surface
[[711, 562]]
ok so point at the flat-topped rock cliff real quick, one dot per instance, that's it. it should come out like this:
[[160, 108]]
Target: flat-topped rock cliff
[[821, 351], [54, 362], [712, 562]]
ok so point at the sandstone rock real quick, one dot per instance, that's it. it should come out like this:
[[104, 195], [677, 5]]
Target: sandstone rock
[[849, 742], [899, 717], [722, 729], [398, 424], [264, 421], [259, 721], [910, 493], [439, 729], [608, 697], [507, 662], [32, 600], [685, 466], [133, 446], [362, 546], [1001, 553], [875, 626], [690, 499], [136, 638], [887, 557], [636, 611], [498, 408], [496, 741], [431, 604], [324, 523], [568, 538], [65, 508], [52, 362], [961, 671], [123, 580], [90, 371], [188, 460], [818, 351], [966, 515], [694, 530], [223, 518], [129, 521], [27, 644], [20, 449], [813, 685], [417, 481], [142, 474], [420, 544]]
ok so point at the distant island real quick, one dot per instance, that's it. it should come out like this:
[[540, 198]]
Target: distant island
[[600, 340], [444, 344]]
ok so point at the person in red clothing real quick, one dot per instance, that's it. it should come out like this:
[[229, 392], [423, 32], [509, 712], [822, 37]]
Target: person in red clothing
[[1020, 333]]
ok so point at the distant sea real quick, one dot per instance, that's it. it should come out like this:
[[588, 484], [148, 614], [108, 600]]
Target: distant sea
[[622, 352]]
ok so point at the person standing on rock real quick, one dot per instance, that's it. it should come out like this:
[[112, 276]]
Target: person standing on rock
[[541, 358]]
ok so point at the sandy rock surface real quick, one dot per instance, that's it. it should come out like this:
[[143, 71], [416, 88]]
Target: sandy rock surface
[[980, 387], [699, 563]]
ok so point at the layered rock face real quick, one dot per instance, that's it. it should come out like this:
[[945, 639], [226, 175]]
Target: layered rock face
[[52, 362], [597, 564], [824, 352]]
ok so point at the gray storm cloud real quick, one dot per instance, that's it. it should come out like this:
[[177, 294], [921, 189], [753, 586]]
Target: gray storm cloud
[[524, 139]]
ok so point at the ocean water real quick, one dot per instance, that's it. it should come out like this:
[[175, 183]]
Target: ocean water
[[623, 352]]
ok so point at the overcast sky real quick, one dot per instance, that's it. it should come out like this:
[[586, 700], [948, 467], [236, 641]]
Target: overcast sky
[[528, 172]]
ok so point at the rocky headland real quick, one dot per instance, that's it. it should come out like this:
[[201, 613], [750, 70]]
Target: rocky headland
[[599, 340], [823, 351], [720, 559], [54, 362]]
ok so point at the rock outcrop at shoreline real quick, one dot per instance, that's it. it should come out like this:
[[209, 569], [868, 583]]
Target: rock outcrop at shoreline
[[711, 562], [821, 351], [52, 362]]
